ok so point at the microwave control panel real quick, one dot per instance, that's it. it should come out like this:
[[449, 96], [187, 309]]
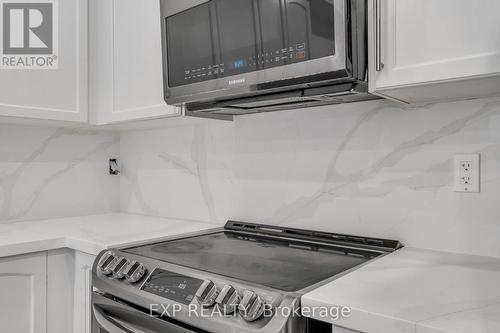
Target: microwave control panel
[[263, 60]]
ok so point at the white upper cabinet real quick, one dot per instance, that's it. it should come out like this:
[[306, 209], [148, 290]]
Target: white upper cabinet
[[126, 61], [44, 58], [429, 50]]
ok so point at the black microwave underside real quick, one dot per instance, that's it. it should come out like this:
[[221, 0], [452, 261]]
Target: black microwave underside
[[295, 99]]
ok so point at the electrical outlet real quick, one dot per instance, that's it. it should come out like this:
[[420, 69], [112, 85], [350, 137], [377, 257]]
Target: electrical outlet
[[467, 173]]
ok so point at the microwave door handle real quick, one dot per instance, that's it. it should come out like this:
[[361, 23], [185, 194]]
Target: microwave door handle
[[378, 36], [113, 325]]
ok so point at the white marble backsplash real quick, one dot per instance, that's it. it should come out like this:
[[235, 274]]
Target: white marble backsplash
[[55, 172], [373, 168]]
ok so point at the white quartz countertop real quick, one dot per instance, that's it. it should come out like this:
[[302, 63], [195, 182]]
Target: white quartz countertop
[[91, 234], [417, 291]]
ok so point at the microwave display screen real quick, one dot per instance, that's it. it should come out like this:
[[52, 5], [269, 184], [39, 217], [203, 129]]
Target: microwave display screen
[[222, 38]]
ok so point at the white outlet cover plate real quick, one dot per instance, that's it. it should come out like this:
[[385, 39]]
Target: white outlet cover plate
[[474, 173]]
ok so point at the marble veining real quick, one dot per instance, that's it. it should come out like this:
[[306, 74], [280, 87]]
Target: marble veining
[[91, 234], [55, 172], [417, 291], [196, 166], [374, 168], [182, 177], [131, 177], [336, 184]]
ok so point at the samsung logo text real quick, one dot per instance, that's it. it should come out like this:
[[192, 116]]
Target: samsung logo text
[[236, 81]]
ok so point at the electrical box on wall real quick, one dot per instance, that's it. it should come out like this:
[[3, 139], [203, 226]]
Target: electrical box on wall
[[114, 169], [467, 173]]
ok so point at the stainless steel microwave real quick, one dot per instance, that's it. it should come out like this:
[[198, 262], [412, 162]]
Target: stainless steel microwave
[[228, 57]]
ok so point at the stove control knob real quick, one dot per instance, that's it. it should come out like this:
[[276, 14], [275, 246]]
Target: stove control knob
[[120, 268], [107, 262], [228, 300], [135, 271], [207, 294], [252, 306]]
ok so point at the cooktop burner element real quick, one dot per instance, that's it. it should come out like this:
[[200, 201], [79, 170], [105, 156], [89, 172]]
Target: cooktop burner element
[[240, 270]]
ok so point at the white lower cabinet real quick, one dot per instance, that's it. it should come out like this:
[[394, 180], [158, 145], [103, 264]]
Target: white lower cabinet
[[46, 292], [23, 293], [60, 281], [69, 289], [82, 318]]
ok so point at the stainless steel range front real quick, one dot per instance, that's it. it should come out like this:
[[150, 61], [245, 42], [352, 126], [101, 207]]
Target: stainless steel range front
[[241, 278]]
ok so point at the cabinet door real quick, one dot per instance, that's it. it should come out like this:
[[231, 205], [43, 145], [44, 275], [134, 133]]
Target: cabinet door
[[60, 282], [422, 43], [126, 64], [23, 290], [59, 93], [82, 319]]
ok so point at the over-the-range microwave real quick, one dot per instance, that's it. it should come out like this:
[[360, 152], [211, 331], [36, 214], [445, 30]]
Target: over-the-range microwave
[[230, 57]]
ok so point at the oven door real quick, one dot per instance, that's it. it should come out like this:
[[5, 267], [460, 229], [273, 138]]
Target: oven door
[[225, 48], [113, 317]]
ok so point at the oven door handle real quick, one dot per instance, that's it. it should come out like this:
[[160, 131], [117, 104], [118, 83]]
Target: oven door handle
[[113, 325], [116, 317]]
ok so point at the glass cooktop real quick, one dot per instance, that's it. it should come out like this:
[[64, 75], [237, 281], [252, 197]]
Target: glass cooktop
[[287, 265]]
